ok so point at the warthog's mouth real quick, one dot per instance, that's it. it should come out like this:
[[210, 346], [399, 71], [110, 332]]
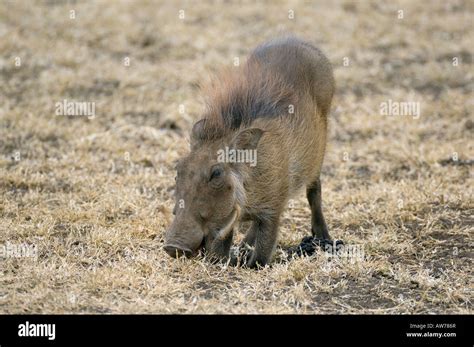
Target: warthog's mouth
[[222, 233], [177, 251]]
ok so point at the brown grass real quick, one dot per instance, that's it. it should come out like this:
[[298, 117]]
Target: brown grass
[[95, 195]]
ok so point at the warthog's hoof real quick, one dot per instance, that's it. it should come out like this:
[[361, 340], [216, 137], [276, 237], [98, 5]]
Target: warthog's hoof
[[310, 244]]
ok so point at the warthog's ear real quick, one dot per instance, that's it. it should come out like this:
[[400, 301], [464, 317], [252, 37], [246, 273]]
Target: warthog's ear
[[247, 138], [197, 134]]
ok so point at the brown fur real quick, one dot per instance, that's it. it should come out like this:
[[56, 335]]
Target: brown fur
[[250, 109]]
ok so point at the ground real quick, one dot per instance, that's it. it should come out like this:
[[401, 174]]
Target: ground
[[92, 196]]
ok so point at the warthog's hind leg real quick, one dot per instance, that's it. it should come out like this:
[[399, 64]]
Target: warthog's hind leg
[[319, 228]]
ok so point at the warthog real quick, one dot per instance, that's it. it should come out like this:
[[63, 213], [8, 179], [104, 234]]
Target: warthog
[[273, 109]]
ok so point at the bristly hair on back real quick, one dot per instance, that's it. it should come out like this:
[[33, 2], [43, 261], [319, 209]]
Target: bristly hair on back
[[239, 96]]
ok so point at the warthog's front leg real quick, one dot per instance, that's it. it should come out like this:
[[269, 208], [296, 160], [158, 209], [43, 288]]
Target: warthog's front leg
[[266, 234], [250, 235], [220, 248]]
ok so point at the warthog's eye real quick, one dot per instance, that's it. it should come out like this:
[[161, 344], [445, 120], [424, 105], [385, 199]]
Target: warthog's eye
[[216, 172]]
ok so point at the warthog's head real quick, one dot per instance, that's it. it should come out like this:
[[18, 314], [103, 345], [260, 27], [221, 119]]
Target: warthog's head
[[209, 196]]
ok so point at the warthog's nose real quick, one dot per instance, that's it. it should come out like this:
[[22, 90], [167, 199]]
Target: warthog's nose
[[176, 251]]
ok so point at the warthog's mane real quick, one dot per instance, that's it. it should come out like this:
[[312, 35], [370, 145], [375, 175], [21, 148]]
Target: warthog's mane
[[241, 95]]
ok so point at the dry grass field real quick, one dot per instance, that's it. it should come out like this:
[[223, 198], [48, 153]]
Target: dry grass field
[[94, 195]]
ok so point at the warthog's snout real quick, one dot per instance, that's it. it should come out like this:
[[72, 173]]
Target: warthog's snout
[[183, 238], [176, 251]]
